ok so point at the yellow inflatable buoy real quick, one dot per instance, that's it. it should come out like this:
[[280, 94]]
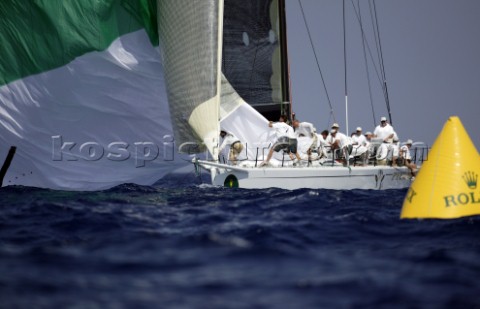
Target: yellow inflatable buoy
[[447, 183]]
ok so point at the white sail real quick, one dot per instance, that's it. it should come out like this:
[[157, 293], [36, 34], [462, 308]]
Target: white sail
[[82, 95], [100, 121], [241, 119]]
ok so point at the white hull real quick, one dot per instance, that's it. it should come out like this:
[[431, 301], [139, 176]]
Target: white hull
[[322, 177]]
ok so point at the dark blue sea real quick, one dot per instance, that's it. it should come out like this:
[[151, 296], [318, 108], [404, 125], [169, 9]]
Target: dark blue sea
[[183, 244]]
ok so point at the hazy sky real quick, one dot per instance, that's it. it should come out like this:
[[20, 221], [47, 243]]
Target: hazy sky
[[431, 51]]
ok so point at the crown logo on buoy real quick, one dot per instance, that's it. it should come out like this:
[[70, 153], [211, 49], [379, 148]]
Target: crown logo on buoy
[[470, 179], [446, 185]]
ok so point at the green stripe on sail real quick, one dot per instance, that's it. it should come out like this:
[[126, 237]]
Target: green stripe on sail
[[40, 35]]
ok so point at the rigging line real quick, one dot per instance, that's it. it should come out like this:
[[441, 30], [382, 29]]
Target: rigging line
[[328, 122], [359, 16], [379, 54], [380, 79], [383, 66], [375, 35], [316, 59]]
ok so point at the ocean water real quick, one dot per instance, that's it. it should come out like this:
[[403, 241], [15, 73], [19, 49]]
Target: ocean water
[[183, 244]]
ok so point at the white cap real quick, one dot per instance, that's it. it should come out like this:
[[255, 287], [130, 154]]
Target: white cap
[[383, 119], [359, 128], [409, 141], [335, 125], [368, 133]]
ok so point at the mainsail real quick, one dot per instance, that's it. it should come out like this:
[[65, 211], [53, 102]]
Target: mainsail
[[255, 67], [254, 58]]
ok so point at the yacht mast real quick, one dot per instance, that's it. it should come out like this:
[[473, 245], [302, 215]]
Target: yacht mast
[[345, 72], [285, 64]]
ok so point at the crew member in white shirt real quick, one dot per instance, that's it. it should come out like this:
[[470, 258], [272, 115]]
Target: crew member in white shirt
[[330, 139], [286, 140], [306, 132], [369, 145], [407, 157], [323, 147], [359, 143], [395, 150], [340, 143], [384, 130], [236, 147]]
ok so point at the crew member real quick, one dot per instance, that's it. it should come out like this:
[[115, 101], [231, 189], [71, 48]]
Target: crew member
[[384, 130], [236, 147], [286, 140]]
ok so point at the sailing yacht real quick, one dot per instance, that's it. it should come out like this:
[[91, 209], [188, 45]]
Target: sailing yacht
[[93, 95], [259, 85]]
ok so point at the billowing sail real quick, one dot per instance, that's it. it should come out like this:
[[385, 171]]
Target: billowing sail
[[254, 58], [244, 122], [189, 32], [90, 102], [82, 94]]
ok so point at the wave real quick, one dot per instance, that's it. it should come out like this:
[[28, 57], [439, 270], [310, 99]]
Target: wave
[[175, 245]]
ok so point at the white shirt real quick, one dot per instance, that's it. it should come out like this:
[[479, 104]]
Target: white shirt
[[322, 141], [342, 139], [382, 151], [359, 140], [283, 129], [383, 132], [329, 140], [368, 145], [322, 145], [405, 152], [229, 139]]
